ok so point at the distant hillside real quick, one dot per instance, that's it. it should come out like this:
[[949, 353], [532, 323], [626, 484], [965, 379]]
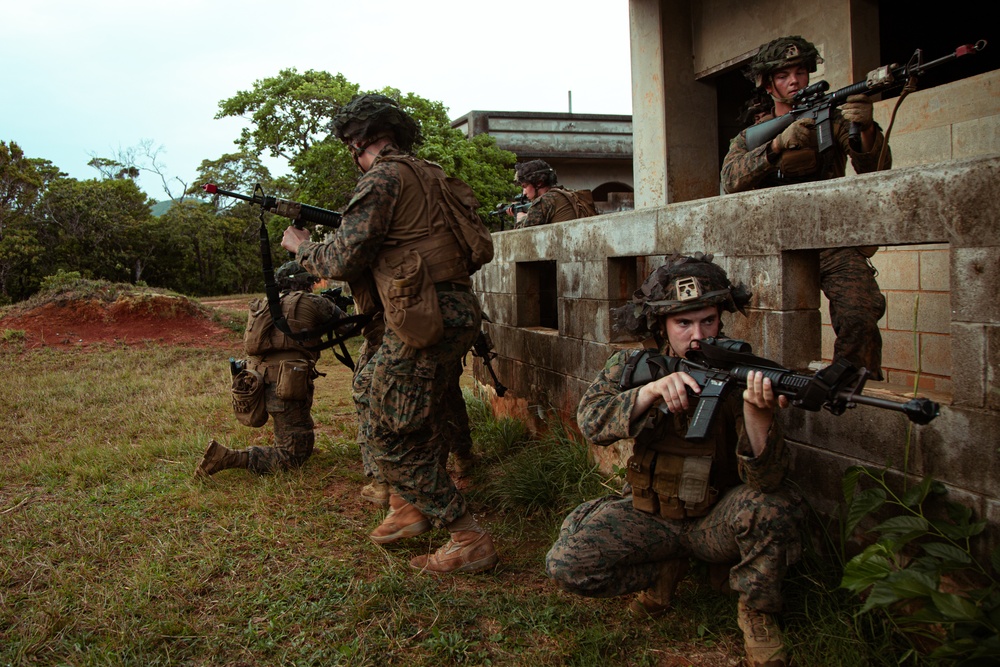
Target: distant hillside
[[161, 207]]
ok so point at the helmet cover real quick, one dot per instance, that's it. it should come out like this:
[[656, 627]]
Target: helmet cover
[[371, 117], [682, 284]]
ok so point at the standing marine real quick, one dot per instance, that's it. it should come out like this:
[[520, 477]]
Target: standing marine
[[408, 242]]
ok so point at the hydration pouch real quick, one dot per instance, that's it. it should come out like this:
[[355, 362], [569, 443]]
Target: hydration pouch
[[410, 300], [249, 405], [294, 376]]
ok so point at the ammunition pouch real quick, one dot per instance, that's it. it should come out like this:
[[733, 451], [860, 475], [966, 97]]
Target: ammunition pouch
[[798, 162], [249, 405], [672, 485], [295, 378]]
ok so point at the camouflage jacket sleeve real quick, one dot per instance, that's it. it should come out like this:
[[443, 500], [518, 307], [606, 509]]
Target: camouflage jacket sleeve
[[540, 212], [604, 413], [767, 471], [363, 229], [744, 170]]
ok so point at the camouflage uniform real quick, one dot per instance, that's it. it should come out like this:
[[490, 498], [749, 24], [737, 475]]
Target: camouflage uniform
[[846, 276], [292, 419], [556, 205], [401, 410], [607, 547]]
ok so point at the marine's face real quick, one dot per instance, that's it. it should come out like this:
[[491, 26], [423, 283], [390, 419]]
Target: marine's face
[[786, 81], [530, 191], [684, 330]]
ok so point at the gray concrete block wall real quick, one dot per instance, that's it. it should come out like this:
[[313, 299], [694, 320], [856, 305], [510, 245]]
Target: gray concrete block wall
[[946, 215]]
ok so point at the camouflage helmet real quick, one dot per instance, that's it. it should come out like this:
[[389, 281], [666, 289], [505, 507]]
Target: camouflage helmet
[[779, 53], [535, 172], [375, 116], [293, 276], [682, 284]]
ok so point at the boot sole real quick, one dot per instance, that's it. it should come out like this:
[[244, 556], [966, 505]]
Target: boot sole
[[481, 565], [414, 529]]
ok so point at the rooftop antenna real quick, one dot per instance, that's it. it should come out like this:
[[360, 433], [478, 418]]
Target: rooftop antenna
[[571, 101]]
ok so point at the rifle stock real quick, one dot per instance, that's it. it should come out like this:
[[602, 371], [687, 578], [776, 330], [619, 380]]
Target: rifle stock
[[814, 102], [723, 364]]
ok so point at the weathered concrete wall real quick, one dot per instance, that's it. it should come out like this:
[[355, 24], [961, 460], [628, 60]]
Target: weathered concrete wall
[[549, 290]]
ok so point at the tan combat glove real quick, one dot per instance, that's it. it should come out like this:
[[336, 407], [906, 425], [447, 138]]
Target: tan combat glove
[[800, 134], [858, 109], [797, 147]]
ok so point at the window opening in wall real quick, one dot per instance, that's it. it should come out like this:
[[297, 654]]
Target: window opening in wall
[[537, 295], [625, 275], [915, 281]]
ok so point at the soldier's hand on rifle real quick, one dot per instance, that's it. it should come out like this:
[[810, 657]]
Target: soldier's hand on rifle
[[759, 405], [672, 389], [293, 238], [800, 134], [858, 109]]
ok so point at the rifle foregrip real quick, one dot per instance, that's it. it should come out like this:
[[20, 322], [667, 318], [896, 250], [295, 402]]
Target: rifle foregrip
[[320, 216]]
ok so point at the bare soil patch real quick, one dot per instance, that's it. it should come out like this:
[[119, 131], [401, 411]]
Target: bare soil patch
[[128, 320]]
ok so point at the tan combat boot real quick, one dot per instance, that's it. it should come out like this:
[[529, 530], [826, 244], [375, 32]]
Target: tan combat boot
[[466, 551], [762, 637], [403, 520], [218, 457], [376, 492], [655, 602]]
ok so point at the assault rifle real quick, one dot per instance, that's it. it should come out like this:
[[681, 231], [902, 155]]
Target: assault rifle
[[724, 363], [814, 102], [483, 348], [299, 214], [503, 209]]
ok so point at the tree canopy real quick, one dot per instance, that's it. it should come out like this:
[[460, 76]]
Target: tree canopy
[[104, 227]]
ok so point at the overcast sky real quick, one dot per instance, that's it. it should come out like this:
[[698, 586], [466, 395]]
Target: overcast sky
[[90, 78]]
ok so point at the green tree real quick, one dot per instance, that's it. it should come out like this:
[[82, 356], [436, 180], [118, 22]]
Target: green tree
[[21, 182], [95, 227], [291, 117]]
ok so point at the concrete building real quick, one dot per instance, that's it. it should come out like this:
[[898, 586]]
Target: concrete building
[[588, 151], [935, 215]]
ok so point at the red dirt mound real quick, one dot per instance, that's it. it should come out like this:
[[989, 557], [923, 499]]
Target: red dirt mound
[[129, 320]]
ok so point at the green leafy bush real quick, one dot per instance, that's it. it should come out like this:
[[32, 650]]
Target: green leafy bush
[[921, 571]]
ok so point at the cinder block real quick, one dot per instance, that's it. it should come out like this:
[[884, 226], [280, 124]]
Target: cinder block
[[993, 367], [923, 147], [935, 270], [976, 137], [586, 319], [897, 269], [960, 446], [790, 338], [933, 312], [897, 350], [935, 354], [969, 349], [976, 273]]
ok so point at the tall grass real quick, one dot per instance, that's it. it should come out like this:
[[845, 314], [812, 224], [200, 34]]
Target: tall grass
[[112, 554]]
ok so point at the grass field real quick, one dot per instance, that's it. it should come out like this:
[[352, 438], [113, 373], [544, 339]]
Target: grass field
[[112, 554]]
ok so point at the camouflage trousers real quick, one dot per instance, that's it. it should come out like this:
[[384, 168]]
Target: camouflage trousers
[[856, 306], [456, 433], [606, 547], [415, 413], [293, 435]]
